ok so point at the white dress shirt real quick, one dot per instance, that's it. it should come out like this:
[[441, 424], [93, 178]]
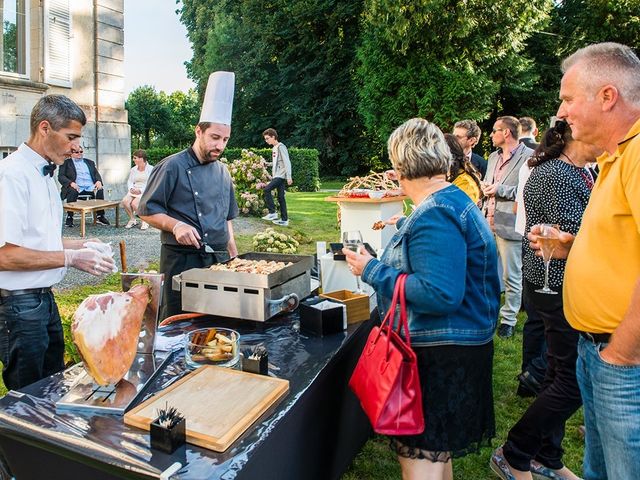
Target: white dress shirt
[[521, 213], [30, 216]]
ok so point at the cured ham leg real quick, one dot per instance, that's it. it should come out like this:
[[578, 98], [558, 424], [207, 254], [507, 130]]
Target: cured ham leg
[[105, 330]]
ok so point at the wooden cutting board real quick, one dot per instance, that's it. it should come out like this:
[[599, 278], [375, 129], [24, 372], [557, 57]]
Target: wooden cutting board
[[219, 404]]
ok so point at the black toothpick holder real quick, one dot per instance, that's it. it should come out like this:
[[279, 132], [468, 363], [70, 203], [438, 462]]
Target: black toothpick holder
[[255, 359], [168, 439]]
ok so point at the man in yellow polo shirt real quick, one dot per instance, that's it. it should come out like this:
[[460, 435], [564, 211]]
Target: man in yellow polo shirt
[[600, 93]]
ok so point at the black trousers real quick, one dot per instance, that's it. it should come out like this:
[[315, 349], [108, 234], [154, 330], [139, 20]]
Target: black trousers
[[281, 185], [538, 434], [73, 194], [175, 259], [31, 338], [534, 346]]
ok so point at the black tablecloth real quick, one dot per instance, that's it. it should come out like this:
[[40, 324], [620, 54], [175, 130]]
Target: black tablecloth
[[314, 433]]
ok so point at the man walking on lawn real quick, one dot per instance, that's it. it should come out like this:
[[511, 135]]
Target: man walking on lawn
[[280, 177]]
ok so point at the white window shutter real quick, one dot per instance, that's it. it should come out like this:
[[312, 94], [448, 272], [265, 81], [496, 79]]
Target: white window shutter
[[57, 42]]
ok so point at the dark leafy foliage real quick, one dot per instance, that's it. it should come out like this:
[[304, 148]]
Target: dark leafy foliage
[[340, 76], [294, 71]]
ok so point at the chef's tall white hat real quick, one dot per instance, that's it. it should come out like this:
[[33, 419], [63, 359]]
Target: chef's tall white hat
[[218, 99]]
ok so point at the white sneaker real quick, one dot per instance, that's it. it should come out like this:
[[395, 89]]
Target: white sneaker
[[270, 216], [282, 223], [144, 226], [131, 223]]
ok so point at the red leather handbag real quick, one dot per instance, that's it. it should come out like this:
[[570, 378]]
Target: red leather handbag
[[386, 376]]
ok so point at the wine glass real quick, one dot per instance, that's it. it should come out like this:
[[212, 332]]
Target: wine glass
[[109, 190], [352, 240], [549, 240]]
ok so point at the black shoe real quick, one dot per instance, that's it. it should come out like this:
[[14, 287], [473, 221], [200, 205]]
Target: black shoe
[[524, 392], [69, 222], [102, 220], [505, 331], [528, 383]]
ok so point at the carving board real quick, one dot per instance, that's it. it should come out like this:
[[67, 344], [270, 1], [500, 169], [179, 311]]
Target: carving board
[[219, 404]]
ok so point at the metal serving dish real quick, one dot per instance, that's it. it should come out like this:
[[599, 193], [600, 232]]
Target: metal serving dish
[[244, 295]]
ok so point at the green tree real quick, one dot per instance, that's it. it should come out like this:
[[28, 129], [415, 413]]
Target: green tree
[[294, 71], [442, 59], [572, 24], [184, 111], [148, 114], [582, 22]]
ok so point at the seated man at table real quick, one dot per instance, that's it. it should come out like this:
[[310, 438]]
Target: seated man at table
[[80, 177]]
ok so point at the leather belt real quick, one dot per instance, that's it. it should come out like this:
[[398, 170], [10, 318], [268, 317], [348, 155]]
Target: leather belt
[[596, 337], [27, 291]]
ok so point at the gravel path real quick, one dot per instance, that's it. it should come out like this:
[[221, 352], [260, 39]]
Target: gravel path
[[143, 246]]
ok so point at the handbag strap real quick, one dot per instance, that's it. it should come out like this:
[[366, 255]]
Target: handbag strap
[[403, 324], [388, 318], [387, 322]]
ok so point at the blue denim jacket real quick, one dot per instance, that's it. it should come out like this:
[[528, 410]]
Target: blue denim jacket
[[452, 291]]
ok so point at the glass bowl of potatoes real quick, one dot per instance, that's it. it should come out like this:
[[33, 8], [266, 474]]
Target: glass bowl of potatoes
[[213, 346]]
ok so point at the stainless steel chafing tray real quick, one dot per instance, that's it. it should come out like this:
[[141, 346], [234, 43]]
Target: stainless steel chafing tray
[[244, 295]]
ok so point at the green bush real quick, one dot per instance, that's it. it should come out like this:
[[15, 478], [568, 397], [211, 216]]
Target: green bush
[[304, 163], [155, 154]]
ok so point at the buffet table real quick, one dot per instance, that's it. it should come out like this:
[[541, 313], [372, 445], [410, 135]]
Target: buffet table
[[314, 433], [362, 213]]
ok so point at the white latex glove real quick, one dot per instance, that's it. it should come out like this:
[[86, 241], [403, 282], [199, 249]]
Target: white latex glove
[[103, 248], [89, 260], [186, 234]]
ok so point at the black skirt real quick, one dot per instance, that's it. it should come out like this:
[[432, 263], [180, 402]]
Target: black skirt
[[457, 395]]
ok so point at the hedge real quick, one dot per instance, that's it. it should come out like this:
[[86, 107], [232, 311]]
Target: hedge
[[304, 163]]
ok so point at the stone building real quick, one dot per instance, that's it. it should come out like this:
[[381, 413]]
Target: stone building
[[74, 48]]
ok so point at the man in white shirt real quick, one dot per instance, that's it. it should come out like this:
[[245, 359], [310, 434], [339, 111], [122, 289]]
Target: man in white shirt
[[33, 255]]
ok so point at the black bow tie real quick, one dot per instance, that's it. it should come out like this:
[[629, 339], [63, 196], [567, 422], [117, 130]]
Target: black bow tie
[[48, 169]]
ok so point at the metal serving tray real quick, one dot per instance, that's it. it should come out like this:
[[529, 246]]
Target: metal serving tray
[[301, 264], [248, 296]]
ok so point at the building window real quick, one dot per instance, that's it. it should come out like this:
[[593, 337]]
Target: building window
[[57, 40], [13, 41]]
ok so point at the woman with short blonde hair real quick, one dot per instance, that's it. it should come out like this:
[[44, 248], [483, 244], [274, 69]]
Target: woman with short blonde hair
[[452, 292]]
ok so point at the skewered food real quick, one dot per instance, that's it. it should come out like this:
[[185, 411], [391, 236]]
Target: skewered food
[[261, 267], [361, 187], [105, 329]]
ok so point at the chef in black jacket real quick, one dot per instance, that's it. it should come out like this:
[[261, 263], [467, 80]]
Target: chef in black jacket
[[190, 196]]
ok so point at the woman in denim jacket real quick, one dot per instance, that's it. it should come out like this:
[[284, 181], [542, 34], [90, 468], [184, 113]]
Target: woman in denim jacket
[[452, 295]]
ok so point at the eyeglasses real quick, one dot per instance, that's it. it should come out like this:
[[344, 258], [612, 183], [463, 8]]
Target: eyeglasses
[[77, 151], [498, 130]]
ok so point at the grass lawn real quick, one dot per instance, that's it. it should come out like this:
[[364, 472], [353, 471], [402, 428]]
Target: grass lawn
[[312, 219]]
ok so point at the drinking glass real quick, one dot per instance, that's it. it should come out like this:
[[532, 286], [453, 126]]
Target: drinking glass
[[549, 240], [352, 240], [109, 190]]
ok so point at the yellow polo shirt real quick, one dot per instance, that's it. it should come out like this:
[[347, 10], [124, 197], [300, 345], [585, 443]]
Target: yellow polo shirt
[[604, 261]]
